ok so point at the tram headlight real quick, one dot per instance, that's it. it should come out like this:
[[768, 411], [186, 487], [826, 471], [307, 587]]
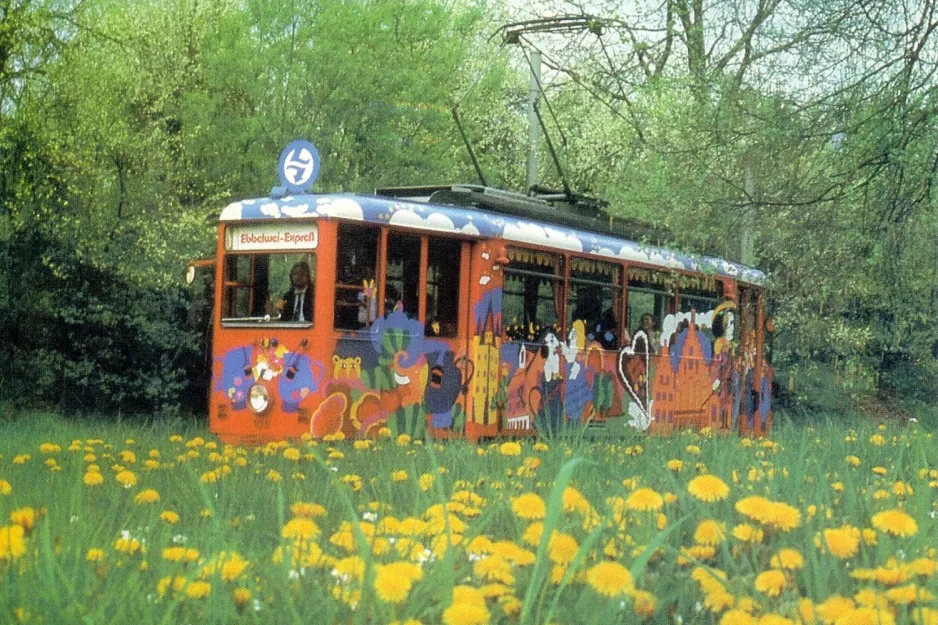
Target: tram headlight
[[258, 398]]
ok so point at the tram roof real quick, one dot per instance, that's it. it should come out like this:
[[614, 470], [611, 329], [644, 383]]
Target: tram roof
[[476, 222]]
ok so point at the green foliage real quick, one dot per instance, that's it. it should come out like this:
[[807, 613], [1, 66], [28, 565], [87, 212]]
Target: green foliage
[[125, 127]]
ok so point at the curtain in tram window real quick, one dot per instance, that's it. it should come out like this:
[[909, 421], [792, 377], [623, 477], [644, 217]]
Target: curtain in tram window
[[558, 287]]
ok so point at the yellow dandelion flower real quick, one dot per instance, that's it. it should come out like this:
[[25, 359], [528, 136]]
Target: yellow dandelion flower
[[926, 567], [529, 506], [466, 614], [695, 554], [925, 616], [710, 532], [233, 566], [710, 580], [174, 554], [844, 542], [240, 596], [718, 600], [146, 496], [300, 528], [903, 595], [879, 470], [738, 617], [126, 478], [902, 489], [748, 533], [510, 449], [789, 559], [562, 548], [198, 589], [24, 517], [708, 488], [273, 476], [94, 555], [784, 516], [866, 615], [394, 581], [128, 545], [645, 604], [895, 522], [755, 507], [399, 476], [770, 582], [833, 608], [532, 535], [494, 568], [5, 488], [644, 499], [675, 465], [169, 516], [610, 579], [12, 542], [165, 584]]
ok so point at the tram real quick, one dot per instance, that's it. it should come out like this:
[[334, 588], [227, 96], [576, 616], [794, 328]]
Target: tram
[[465, 311]]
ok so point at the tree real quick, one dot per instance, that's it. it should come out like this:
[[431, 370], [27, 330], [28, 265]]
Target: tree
[[810, 124]]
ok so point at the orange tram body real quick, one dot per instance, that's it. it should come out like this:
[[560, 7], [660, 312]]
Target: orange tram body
[[477, 320]]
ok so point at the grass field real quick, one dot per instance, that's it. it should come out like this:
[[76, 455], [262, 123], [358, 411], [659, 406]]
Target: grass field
[[117, 523]]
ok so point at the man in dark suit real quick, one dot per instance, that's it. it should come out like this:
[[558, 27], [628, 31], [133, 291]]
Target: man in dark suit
[[297, 303]]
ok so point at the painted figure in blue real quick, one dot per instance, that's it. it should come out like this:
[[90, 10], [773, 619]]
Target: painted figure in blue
[[236, 376], [444, 384], [577, 391], [300, 379]]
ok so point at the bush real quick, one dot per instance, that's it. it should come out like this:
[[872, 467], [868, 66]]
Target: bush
[[90, 341]]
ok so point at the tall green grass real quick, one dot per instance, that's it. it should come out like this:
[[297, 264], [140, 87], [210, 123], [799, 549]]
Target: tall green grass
[[245, 511]]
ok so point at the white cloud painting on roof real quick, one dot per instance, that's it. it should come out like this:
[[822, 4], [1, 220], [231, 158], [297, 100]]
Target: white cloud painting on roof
[[526, 232], [339, 207], [433, 221]]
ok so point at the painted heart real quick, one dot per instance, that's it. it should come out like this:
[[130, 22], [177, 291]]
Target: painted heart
[[633, 371]]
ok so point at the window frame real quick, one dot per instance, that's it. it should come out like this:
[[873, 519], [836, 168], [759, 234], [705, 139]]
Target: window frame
[[562, 279], [385, 236], [618, 288], [668, 289], [229, 287]]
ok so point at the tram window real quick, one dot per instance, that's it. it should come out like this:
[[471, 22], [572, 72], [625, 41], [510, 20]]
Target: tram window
[[533, 293], [403, 274], [356, 269], [593, 298], [651, 294], [255, 284], [700, 293], [443, 271]]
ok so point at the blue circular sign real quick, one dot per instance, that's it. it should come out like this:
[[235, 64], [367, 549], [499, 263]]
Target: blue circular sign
[[299, 166]]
